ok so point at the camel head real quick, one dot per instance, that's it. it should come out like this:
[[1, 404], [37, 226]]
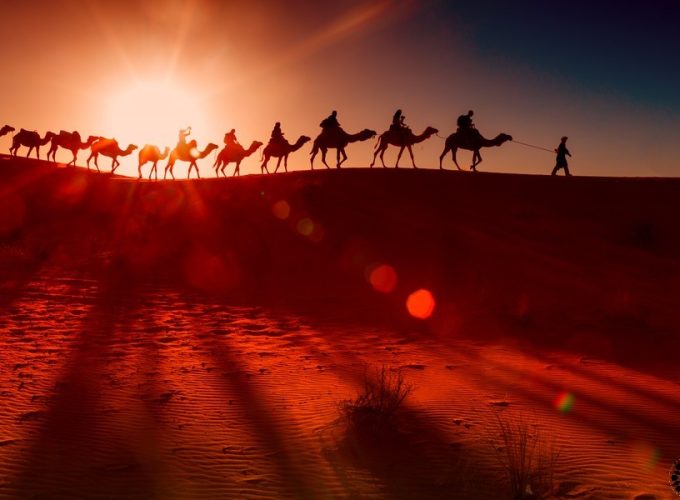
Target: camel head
[[302, 140], [430, 131], [253, 147], [6, 130], [165, 153], [366, 134], [202, 154], [128, 150], [503, 138]]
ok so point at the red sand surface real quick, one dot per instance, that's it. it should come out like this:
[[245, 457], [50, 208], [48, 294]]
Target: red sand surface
[[194, 339]]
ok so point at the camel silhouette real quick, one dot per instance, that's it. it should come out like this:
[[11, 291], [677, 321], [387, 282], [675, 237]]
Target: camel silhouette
[[150, 153], [31, 140], [473, 141], [403, 139], [187, 152], [234, 154], [110, 148], [337, 139], [6, 130], [281, 150], [70, 141]]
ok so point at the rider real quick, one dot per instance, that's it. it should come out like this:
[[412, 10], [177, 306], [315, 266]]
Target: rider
[[465, 121], [230, 138], [330, 122], [277, 135], [183, 133], [398, 123]]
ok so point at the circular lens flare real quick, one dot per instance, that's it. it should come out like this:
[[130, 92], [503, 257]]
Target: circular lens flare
[[383, 278], [420, 304]]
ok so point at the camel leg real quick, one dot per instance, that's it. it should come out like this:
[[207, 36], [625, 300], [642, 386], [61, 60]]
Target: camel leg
[[278, 164], [285, 163], [96, 163], [337, 158], [314, 151], [88, 160], [344, 156], [75, 158], [263, 167], [114, 164], [382, 156], [441, 158], [30, 149], [476, 160], [139, 171], [453, 155], [401, 150], [323, 157], [410, 151], [377, 150], [37, 152], [237, 170]]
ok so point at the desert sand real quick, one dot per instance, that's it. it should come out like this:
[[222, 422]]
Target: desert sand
[[193, 339]]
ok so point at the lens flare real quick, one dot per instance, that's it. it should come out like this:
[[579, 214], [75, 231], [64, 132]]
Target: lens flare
[[305, 226], [420, 304], [564, 402], [281, 210], [383, 278]]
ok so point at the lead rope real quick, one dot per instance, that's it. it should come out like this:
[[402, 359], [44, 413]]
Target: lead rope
[[532, 146]]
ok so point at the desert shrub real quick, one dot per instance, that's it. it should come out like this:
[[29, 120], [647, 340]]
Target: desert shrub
[[373, 410], [528, 461]]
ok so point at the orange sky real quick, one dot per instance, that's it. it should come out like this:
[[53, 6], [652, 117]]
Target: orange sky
[[71, 64]]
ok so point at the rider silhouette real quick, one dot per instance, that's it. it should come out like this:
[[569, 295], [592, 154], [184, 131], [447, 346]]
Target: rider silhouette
[[465, 121], [331, 122], [277, 135], [230, 138], [183, 133], [399, 123]]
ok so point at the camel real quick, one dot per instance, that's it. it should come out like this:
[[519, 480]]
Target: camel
[[403, 139], [187, 152], [281, 150], [472, 141], [70, 141], [234, 154], [110, 148], [153, 154], [337, 139], [31, 140], [6, 130]]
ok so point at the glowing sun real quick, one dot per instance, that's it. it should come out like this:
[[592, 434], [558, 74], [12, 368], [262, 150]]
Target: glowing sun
[[152, 112]]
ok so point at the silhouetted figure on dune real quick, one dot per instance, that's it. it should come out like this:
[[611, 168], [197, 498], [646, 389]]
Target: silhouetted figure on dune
[[233, 154], [29, 139], [561, 160], [110, 148], [471, 140], [401, 136], [6, 130], [280, 148], [187, 152], [150, 153], [332, 136], [70, 141]]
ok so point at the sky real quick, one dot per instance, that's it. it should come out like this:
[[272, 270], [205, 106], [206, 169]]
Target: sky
[[606, 74]]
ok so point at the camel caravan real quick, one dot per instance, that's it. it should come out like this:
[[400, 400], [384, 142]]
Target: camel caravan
[[332, 136]]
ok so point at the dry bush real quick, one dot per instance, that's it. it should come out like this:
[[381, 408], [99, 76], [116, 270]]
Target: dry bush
[[373, 410], [527, 459]]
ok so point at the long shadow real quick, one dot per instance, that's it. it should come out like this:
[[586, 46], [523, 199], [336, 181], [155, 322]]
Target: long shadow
[[509, 373], [261, 418], [72, 456]]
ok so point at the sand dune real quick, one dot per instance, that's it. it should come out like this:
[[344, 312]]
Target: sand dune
[[194, 339]]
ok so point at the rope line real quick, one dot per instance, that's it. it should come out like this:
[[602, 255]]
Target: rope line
[[532, 146]]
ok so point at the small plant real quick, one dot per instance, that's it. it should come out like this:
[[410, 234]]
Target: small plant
[[373, 410], [527, 460]]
